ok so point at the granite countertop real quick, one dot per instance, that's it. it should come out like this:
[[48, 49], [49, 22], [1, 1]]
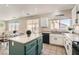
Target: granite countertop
[[73, 37], [24, 39]]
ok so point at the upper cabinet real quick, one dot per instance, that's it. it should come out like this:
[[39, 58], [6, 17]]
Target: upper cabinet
[[78, 13], [44, 23], [74, 15], [75, 18]]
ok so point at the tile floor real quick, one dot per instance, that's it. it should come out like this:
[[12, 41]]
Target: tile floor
[[53, 50]]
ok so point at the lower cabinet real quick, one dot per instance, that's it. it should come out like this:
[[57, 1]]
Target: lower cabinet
[[33, 47], [68, 45], [32, 51], [16, 48], [57, 39], [39, 46]]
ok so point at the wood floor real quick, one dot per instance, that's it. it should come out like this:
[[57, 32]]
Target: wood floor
[[53, 50], [47, 50], [4, 48]]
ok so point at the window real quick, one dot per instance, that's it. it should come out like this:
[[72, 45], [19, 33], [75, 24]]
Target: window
[[54, 24], [33, 25], [66, 22], [13, 26]]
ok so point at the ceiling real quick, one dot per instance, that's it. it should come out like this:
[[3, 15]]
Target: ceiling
[[12, 11]]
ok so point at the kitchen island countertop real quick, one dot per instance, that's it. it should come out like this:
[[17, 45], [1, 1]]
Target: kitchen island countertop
[[24, 39]]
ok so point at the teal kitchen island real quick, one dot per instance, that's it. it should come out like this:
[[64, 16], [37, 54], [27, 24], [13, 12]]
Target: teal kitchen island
[[22, 45]]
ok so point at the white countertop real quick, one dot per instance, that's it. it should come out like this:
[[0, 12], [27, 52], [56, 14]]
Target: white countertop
[[73, 37], [24, 38]]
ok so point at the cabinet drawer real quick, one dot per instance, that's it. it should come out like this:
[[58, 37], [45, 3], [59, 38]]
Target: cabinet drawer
[[31, 44]]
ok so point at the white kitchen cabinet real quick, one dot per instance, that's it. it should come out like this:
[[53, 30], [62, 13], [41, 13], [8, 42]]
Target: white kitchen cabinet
[[74, 15], [57, 39], [44, 22], [68, 45], [78, 13]]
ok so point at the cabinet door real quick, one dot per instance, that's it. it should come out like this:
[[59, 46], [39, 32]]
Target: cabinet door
[[31, 51], [40, 45], [56, 39], [16, 48], [74, 15], [31, 47], [52, 40], [31, 44], [69, 49], [44, 22], [11, 48], [68, 46], [60, 41]]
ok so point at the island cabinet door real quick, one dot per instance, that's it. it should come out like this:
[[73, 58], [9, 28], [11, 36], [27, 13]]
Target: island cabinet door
[[31, 47], [40, 45], [16, 48], [11, 48], [32, 51]]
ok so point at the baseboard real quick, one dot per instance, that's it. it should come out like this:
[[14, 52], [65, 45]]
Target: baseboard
[[56, 45]]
